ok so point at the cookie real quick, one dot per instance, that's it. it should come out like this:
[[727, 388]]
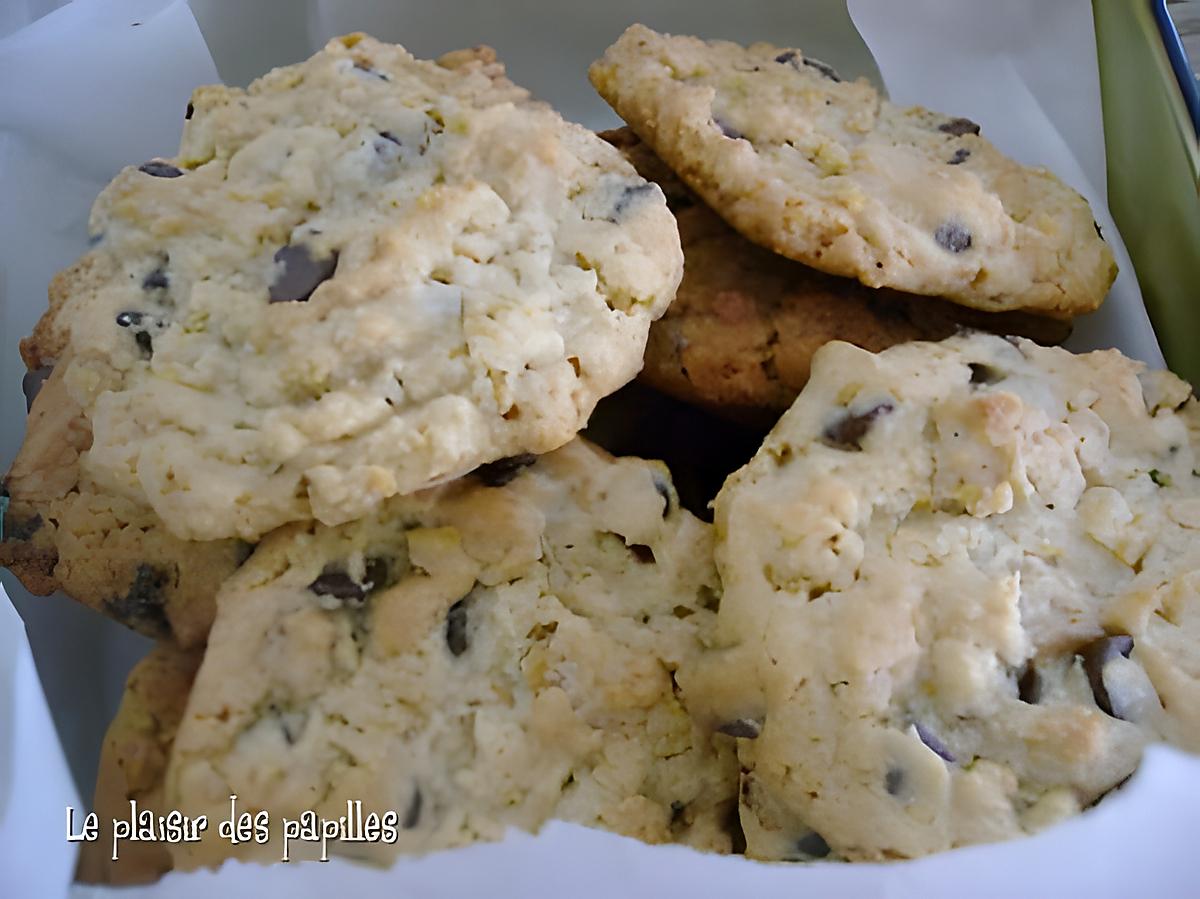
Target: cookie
[[740, 334], [826, 172], [960, 595], [133, 762], [364, 275], [61, 531], [495, 652]]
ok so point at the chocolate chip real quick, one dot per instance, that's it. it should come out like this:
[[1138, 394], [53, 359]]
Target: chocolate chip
[[127, 319], [156, 280], [823, 67], [500, 472], [456, 626], [937, 746], [664, 491], [31, 384], [144, 343], [984, 374], [893, 781], [953, 237], [412, 815], [727, 129], [187, 114], [160, 169], [629, 196], [812, 845], [787, 56], [21, 529], [743, 728], [1029, 684], [339, 585], [960, 156], [387, 135], [1096, 655], [958, 127], [376, 574], [142, 605], [848, 431], [301, 274], [642, 553]]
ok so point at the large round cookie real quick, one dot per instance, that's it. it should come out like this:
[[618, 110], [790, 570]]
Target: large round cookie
[[828, 173], [495, 652], [960, 594], [364, 275], [59, 529], [740, 334]]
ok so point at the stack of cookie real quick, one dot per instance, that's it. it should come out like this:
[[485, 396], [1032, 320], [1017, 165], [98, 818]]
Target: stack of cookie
[[310, 414]]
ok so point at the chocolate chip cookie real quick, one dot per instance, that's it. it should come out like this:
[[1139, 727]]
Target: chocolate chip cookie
[[960, 595], [826, 172]]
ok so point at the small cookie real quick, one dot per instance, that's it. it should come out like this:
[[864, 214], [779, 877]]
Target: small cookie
[[495, 652], [826, 172], [364, 275], [739, 336], [133, 762], [960, 595]]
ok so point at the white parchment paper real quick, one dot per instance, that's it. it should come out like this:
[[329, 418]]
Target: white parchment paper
[[103, 83]]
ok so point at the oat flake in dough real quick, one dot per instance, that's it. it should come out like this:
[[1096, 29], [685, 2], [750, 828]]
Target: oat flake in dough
[[361, 276]]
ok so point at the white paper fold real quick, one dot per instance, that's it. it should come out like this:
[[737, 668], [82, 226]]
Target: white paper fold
[[86, 90]]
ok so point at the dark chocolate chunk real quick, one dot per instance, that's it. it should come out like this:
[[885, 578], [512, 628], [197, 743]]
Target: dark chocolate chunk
[[127, 319], [156, 280], [728, 130], [665, 492], [953, 237], [31, 384], [376, 574], [958, 127], [823, 67], [21, 528], [642, 553], [142, 605], [412, 815], [960, 156], [1096, 655], [144, 342], [339, 585], [743, 728], [1029, 684], [187, 113], [812, 845], [301, 274], [160, 169], [631, 194], [456, 626], [500, 472], [848, 431], [984, 374], [893, 781], [936, 745]]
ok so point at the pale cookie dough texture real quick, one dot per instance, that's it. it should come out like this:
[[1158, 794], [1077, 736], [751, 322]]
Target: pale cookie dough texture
[[828, 173], [494, 652], [362, 276], [961, 592]]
